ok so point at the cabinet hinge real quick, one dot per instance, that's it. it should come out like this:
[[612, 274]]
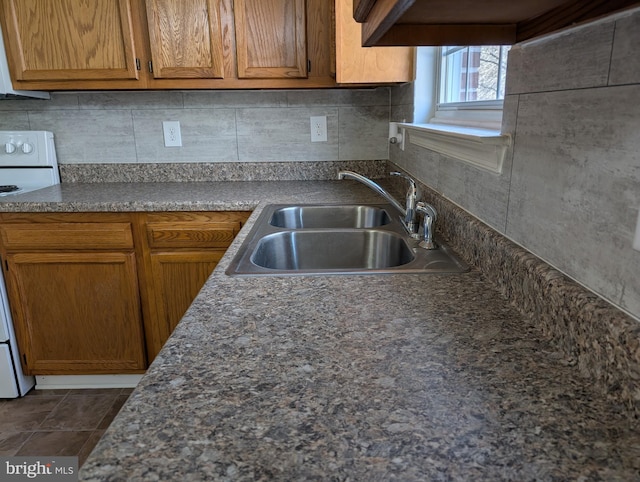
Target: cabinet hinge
[[308, 65], [137, 64], [150, 67]]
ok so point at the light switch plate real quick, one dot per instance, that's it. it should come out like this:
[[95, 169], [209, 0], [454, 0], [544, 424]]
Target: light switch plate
[[636, 239]]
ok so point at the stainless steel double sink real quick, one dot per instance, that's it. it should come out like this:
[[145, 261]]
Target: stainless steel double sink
[[336, 239]]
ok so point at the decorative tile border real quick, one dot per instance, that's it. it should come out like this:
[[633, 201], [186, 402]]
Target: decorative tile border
[[601, 340], [218, 171]]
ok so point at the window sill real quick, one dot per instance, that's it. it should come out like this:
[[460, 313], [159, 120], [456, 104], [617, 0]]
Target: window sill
[[483, 148]]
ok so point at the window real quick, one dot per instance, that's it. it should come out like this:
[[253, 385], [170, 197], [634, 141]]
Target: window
[[470, 74], [458, 98], [466, 87]]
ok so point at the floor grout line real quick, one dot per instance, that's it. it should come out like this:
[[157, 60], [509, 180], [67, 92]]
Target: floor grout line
[[40, 436]]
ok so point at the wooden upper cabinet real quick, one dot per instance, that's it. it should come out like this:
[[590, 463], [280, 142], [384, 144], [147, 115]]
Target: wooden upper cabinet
[[70, 39], [271, 39], [357, 64], [470, 22], [190, 44], [187, 38]]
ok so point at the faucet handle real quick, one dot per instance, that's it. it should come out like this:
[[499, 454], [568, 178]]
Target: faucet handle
[[411, 198], [413, 186], [427, 209], [403, 175], [429, 217]]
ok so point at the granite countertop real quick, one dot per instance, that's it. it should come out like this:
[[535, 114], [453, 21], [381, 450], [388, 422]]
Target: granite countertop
[[181, 196], [385, 377]]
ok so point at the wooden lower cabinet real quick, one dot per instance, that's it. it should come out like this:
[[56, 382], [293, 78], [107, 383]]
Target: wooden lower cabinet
[[177, 279], [73, 288], [97, 293], [78, 312], [180, 250]]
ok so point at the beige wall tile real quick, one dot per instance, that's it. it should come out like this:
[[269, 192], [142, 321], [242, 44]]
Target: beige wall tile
[[284, 134], [14, 121], [339, 97], [570, 189], [625, 59], [131, 100], [571, 60], [208, 135], [88, 136], [575, 191], [364, 133], [56, 102], [234, 99], [98, 127]]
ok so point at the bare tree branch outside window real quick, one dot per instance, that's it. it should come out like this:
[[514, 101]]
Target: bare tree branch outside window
[[473, 73]]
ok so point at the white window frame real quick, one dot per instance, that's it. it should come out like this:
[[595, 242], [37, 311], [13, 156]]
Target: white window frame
[[466, 131], [485, 114]]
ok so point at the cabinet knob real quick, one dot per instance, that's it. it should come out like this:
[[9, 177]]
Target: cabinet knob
[[9, 148], [27, 148]]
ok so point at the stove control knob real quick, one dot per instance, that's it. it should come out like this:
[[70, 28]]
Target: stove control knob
[[9, 148], [27, 148]]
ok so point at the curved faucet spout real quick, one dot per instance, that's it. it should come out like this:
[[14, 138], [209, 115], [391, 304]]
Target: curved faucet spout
[[374, 186]]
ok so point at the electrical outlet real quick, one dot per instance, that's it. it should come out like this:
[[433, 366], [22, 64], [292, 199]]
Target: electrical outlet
[[319, 128], [636, 239], [172, 136]]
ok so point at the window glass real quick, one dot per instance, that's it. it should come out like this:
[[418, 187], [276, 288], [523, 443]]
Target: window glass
[[472, 73]]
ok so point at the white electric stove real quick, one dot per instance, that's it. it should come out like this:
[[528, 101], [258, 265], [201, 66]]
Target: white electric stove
[[27, 162]]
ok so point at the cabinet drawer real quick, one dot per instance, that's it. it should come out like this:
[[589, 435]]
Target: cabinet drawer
[[94, 236], [192, 235]]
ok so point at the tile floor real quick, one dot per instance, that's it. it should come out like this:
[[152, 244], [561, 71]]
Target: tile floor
[[58, 422]]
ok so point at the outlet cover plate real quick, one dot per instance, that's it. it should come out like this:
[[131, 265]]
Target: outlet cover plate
[[172, 135], [319, 128]]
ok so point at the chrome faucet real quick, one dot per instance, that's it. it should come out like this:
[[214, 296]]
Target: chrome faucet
[[429, 217], [411, 199], [408, 212]]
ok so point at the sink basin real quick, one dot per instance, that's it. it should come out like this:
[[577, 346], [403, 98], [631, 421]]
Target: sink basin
[[323, 216], [336, 239], [331, 250]]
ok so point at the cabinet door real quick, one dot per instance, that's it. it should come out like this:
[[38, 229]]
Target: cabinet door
[[70, 39], [77, 313], [180, 250], [190, 38], [271, 38], [357, 64], [177, 279]]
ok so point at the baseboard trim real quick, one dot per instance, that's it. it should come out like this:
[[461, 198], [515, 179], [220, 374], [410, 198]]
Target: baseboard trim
[[55, 382]]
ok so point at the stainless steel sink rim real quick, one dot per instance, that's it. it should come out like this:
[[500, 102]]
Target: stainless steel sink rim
[[442, 260], [328, 216], [331, 249]]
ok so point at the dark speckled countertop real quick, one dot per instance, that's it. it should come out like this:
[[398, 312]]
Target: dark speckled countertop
[[385, 377]]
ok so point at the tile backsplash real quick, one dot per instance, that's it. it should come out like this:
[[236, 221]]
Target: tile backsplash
[[217, 126], [570, 191]]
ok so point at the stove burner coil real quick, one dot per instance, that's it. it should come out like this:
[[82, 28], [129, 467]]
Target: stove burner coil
[[9, 188]]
